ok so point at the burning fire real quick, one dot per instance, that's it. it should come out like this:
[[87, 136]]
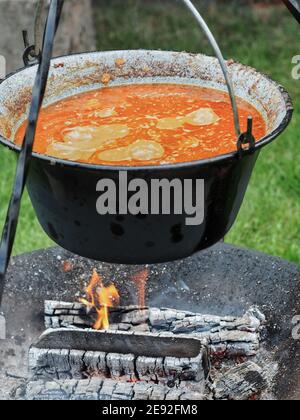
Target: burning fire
[[101, 298], [140, 281]]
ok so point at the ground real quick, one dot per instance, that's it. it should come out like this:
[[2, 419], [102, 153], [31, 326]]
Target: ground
[[265, 38]]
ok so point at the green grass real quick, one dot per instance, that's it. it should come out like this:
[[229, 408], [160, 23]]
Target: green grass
[[263, 38]]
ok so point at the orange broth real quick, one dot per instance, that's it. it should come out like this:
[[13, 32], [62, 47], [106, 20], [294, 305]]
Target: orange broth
[[137, 125]]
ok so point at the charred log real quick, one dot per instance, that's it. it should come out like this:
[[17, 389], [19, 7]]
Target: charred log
[[169, 362], [243, 382], [226, 336], [56, 363], [98, 389]]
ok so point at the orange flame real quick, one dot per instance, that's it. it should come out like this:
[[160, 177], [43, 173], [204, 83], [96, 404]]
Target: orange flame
[[101, 298], [140, 281]]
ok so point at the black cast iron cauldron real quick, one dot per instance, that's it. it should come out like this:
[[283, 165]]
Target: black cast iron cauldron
[[64, 193]]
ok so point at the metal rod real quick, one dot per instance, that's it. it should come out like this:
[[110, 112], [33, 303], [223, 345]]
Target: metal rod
[[39, 88], [294, 8], [222, 62]]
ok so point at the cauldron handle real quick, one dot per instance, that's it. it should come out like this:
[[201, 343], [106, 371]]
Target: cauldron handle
[[10, 227], [222, 62]]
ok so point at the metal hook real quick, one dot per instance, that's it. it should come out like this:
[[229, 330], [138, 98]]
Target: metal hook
[[32, 53], [247, 138]]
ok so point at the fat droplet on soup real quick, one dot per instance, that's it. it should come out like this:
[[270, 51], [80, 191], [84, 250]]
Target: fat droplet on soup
[[67, 151], [170, 123], [105, 113], [140, 150], [79, 134], [97, 135], [121, 154], [203, 116], [146, 150], [83, 142]]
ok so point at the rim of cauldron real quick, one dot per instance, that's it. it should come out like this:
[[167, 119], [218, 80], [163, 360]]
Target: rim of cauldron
[[202, 162]]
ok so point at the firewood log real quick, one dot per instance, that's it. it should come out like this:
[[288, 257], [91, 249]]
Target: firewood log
[[160, 358], [107, 389], [226, 336], [240, 383]]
